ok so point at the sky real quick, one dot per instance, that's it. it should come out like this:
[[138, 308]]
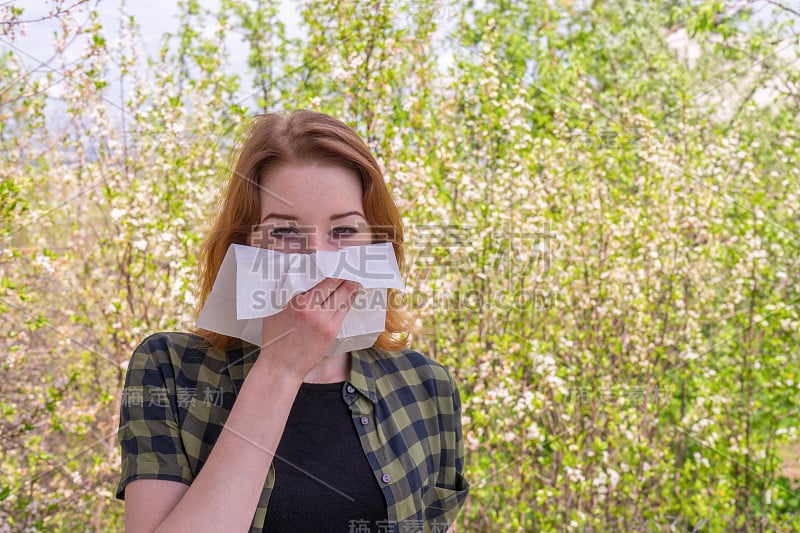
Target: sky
[[157, 17], [36, 47]]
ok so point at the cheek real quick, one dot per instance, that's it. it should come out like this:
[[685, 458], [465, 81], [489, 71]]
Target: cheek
[[254, 239], [368, 238], [377, 235]]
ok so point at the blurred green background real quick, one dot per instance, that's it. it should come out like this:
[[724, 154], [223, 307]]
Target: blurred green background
[[601, 200]]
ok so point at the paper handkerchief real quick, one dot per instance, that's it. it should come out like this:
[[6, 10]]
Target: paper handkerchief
[[253, 283]]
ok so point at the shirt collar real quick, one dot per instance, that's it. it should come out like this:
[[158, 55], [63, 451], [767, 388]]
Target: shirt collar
[[362, 377], [241, 358]]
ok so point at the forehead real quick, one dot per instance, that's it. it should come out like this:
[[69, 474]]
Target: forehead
[[305, 188]]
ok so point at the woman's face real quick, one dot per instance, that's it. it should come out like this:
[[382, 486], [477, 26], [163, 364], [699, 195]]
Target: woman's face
[[308, 206]]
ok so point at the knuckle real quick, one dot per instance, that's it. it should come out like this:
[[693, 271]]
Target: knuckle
[[329, 329]]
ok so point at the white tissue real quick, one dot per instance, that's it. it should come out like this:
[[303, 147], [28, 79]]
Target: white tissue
[[253, 283]]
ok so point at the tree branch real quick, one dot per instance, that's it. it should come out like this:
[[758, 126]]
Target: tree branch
[[783, 6]]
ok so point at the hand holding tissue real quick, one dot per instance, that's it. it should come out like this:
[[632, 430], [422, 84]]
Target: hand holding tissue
[[253, 283]]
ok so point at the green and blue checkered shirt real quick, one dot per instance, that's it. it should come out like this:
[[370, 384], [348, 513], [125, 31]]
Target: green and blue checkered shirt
[[179, 391]]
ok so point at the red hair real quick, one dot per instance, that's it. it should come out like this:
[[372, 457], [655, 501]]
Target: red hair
[[301, 137]]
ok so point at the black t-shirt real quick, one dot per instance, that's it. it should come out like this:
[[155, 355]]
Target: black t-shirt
[[323, 482]]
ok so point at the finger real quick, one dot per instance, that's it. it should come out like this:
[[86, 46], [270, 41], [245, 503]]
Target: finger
[[343, 298], [318, 295]]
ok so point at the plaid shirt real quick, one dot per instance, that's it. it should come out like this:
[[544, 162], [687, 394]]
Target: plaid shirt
[[179, 392]]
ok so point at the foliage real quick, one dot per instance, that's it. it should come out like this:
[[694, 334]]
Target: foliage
[[602, 210]]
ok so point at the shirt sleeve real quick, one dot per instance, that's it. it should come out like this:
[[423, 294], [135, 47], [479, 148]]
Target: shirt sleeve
[[444, 502], [149, 431]]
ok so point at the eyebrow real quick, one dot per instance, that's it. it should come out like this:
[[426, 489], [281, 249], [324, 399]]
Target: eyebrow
[[333, 217]]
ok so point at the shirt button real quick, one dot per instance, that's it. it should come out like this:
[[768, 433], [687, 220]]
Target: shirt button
[[364, 420], [350, 389], [386, 478]]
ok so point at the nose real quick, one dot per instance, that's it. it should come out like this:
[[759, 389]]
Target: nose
[[318, 240]]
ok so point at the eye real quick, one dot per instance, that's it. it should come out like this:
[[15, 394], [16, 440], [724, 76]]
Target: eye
[[343, 231], [286, 231]]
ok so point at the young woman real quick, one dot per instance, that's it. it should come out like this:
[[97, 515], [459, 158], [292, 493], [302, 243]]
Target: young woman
[[221, 435]]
